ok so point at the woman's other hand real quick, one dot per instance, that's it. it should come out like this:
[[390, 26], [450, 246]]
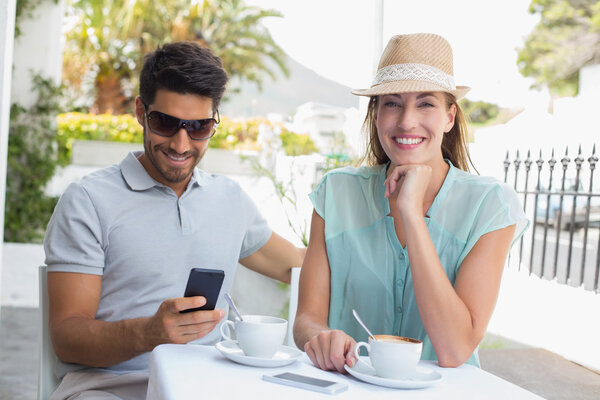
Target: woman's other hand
[[330, 350]]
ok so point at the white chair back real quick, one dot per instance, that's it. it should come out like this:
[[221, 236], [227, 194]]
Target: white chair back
[[47, 380], [293, 305]]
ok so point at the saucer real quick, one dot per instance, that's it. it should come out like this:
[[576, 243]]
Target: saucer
[[422, 377], [285, 355]]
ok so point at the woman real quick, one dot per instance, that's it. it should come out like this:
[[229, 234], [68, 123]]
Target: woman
[[413, 242]]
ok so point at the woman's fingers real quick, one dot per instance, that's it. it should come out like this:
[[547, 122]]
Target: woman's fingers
[[329, 350]]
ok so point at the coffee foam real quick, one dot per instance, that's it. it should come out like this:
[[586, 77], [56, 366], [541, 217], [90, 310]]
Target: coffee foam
[[396, 339]]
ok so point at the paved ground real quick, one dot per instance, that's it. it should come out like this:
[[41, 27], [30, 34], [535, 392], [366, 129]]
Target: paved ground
[[536, 370]]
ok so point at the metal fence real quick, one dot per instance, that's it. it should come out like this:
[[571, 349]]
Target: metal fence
[[562, 200]]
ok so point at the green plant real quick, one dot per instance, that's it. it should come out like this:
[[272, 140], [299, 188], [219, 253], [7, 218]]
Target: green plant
[[479, 112], [107, 127], [295, 144], [107, 41], [240, 134], [338, 157], [564, 40], [31, 163]]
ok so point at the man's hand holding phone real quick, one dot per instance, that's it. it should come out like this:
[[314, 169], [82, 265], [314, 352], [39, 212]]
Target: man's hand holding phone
[[169, 325], [184, 319]]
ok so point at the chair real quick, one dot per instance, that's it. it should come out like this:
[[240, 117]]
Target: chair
[[295, 280], [47, 380]]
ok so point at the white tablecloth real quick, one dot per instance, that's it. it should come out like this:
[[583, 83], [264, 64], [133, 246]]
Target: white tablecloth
[[179, 372]]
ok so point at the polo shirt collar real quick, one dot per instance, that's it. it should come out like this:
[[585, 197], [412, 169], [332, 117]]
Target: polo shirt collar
[[138, 178]]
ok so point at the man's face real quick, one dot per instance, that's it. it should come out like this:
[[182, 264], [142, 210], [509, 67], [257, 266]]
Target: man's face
[[171, 160]]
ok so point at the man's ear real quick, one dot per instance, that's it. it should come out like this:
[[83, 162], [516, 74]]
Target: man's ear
[[139, 110]]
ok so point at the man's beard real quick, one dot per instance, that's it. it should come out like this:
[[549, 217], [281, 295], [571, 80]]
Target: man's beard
[[174, 174]]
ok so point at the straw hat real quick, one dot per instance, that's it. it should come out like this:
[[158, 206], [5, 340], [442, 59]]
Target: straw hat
[[420, 62]]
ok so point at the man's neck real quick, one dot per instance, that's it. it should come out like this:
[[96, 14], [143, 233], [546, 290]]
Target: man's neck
[[177, 187]]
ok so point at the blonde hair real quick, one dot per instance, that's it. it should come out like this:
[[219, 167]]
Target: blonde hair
[[454, 143]]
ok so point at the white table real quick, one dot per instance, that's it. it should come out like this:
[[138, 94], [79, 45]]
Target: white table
[[189, 371]]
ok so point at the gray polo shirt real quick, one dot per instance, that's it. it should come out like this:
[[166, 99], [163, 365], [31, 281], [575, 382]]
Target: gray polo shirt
[[120, 223]]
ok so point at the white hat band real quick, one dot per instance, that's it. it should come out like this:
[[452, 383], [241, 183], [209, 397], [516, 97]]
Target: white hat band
[[414, 72]]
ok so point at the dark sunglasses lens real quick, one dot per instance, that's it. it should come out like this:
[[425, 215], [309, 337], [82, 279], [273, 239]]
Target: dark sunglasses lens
[[201, 129], [163, 124]]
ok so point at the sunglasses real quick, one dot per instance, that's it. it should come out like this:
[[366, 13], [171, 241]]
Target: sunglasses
[[166, 125]]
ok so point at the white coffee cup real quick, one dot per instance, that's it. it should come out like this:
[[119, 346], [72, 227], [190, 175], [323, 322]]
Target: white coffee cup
[[257, 335], [393, 357]]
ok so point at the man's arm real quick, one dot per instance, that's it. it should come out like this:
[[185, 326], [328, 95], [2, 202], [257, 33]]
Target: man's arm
[[275, 259], [81, 339]]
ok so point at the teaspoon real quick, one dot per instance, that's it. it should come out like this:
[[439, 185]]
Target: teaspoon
[[232, 305], [360, 321]]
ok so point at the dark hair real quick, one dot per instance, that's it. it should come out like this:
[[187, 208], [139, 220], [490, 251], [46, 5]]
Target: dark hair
[[454, 143], [183, 67]]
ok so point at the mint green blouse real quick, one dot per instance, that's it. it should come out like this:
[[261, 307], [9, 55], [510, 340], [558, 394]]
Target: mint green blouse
[[370, 270]]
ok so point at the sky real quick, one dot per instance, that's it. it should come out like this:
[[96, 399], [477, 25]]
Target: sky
[[338, 39]]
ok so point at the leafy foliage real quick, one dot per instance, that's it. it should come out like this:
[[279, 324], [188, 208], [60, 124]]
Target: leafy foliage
[[296, 144], [566, 39], [479, 112], [105, 46], [31, 164], [239, 134], [107, 127]]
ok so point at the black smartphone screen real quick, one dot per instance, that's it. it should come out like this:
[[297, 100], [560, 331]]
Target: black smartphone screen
[[204, 282]]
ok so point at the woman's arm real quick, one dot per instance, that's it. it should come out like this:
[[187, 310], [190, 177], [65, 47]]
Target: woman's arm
[[456, 318], [327, 349]]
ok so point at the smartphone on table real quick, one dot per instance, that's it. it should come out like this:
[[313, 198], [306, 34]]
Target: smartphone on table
[[204, 282], [307, 382]]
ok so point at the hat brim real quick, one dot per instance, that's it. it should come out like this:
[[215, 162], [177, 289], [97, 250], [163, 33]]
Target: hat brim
[[409, 87]]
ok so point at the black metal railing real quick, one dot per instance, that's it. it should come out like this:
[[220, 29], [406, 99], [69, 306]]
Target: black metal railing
[[562, 200]]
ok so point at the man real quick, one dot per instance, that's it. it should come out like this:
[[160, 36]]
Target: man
[[121, 242]]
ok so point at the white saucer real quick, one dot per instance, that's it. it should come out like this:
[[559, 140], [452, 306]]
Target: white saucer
[[422, 377], [285, 355]]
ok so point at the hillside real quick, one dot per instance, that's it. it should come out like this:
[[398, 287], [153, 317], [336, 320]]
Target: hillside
[[285, 94]]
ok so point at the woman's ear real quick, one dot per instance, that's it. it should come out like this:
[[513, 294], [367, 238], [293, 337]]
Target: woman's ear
[[451, 117]]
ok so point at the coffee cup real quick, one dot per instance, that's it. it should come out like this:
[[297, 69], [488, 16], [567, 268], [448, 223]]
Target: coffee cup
[[393, 357], [257, 335]]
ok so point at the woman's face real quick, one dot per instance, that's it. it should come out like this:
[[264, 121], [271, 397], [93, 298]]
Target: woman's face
[[411, 126]]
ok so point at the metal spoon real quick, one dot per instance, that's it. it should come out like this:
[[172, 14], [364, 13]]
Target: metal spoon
[[232, 305], [360, 321]]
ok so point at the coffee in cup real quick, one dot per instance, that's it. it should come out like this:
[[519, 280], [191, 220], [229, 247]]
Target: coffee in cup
[[393, 357], [257, 335]]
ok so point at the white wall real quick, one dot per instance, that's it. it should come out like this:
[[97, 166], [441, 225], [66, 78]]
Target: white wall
[[38, 50], [7, 28]]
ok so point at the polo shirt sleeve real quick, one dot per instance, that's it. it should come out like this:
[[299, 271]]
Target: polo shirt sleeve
[[73, 241], [258, 231]]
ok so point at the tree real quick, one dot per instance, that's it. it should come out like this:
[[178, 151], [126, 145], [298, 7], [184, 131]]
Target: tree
[[108, 39], [566, 39], [479, 112]]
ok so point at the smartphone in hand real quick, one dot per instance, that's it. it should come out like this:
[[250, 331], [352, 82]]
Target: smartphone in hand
[[204, 282]]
